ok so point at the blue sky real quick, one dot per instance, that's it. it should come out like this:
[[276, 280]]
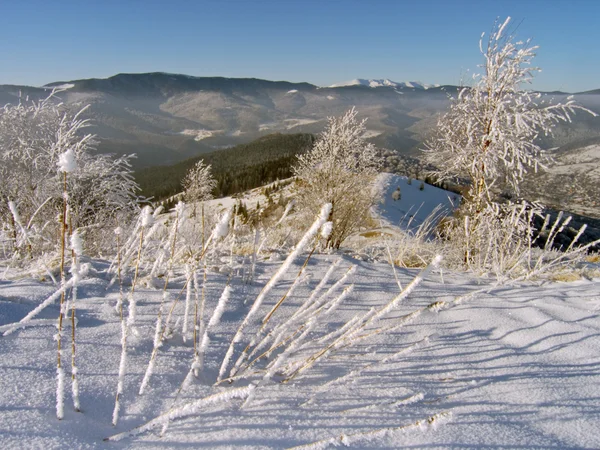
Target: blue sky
[[321, 42]]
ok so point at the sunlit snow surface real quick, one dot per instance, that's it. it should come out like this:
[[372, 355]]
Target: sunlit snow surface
[[414, 205], [516, 366], [384, 83]]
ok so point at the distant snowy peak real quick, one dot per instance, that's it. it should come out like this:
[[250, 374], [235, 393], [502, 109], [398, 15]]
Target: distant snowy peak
[[385, 82]]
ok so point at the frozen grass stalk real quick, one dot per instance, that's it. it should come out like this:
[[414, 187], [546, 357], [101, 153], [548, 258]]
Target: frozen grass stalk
[[28, 319], [123, 360], [119, 306], [188, 297], [158, 334], [146, 221], [371, 437], [306, 239], [189, 409], [66, 164], [277, 331], [76, 252]]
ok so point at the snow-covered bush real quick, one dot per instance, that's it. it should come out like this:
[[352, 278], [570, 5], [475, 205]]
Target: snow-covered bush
[[33, 136], [199, 183], [488, 138], [489, 135], [339, 169]]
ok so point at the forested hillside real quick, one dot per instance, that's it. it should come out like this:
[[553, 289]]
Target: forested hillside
[[235, 169]]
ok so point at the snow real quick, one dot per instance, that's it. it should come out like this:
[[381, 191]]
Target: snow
[[66, 161], [293, 91], [371, 134], [326, 230], [464, 363], [293, 123], [77, 243], [216, 317], [64, 86], [415, 205], [584, 160], [222, 228], [375, 83], [267, 126], [147, 217], [517, 366], [199, 134]]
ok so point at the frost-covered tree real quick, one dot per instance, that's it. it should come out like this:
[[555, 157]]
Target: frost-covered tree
[[33, 136], [199, 183], [489, 135], [340, 169]]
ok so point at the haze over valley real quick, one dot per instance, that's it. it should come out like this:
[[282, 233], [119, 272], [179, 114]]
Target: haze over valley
[[166, 118]]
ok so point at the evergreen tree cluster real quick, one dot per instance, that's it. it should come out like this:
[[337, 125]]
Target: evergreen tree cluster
[[235, 169]]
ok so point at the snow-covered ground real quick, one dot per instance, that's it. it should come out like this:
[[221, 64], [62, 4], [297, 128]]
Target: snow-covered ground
[[200, 134], [516, 367], [293, 123], [384, 82], [461, 362], [583, 160], [413, 205]]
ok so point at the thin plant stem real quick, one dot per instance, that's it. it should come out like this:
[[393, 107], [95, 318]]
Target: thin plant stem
[[59, 368]]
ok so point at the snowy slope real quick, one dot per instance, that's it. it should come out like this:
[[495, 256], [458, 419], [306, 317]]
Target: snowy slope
[[414, 205], [517, 367], [572, 182], [373, 83]]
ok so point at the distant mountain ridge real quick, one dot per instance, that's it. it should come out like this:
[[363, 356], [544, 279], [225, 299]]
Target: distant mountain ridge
[[164, 83], [385, 82], [166, 118]]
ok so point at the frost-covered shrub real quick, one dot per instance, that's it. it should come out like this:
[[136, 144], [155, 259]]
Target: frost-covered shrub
[[339, 169], [489, 135], [502, 240], [33, 136], [496, 240], [488, 138], [199, 183]]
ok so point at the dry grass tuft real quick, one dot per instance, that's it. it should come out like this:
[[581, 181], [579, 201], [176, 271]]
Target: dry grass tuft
[[566, 277], [593, 258]]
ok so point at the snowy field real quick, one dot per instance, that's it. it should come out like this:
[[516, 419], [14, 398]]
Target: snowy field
[[459, 362], [413, 206], [515, 367]]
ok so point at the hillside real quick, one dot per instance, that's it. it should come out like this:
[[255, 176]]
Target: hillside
[[165, 118], [345, 348], [572, 182], [235, 169]]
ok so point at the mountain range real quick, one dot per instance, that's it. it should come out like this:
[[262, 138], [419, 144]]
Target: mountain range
[[165, 118], [385, 83]]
